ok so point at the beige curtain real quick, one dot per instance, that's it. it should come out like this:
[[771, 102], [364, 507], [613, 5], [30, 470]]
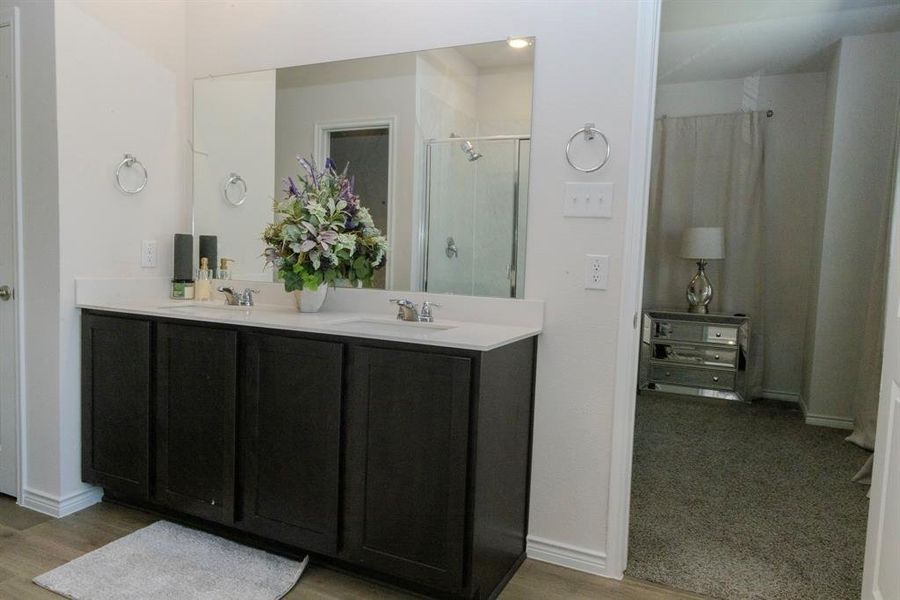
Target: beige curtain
[[708, 172], [868, 383]]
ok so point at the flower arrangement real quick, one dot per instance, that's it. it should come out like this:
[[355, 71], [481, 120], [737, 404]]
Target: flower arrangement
[[321, 232]]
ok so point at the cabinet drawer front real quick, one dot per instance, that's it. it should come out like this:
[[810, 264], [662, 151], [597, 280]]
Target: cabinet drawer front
[[695, 355], [691, 331], [687, 376], [408, 432]]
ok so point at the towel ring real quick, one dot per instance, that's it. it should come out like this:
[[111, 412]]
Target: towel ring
[[590, 132], [233, 179], [130, 161]]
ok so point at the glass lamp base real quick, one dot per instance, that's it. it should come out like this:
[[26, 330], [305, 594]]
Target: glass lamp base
[[699, 291]]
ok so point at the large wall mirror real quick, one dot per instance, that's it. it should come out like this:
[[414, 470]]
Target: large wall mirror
[[438, 143]]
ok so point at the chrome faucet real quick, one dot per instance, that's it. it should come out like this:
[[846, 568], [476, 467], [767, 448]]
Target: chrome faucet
[[408, 311], [233, 298]]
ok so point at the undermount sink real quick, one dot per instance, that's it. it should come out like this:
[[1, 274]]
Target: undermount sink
[[393, 328], [202, 307]]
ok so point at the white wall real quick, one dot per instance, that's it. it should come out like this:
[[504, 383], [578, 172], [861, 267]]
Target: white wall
[[503, 101], [793, 158], [866, 99], [40, 296], [234, 132], [818, 224], [577, 356], [120, 86]]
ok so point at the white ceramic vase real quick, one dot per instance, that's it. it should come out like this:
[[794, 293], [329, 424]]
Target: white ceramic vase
[[311, 301]]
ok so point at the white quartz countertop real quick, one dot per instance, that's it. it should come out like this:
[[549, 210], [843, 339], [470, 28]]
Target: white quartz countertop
[[369, 325]]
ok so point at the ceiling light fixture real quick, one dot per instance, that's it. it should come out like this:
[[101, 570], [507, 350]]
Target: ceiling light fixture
[[518, 43]]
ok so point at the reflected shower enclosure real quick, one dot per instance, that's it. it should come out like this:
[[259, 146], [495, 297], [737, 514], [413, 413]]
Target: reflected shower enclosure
[[476, 200]]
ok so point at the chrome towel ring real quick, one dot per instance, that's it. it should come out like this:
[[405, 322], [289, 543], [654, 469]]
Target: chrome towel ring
[[590, 133], [232, 180], [130, 161]]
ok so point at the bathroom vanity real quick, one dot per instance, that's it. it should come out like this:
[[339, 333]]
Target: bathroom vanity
[[398, 450], [400, 455]]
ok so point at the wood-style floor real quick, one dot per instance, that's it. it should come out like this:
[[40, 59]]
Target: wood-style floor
[[31, 544]]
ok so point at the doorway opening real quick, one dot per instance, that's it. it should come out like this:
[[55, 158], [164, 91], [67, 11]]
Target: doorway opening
[[762, 321], [366, 148]]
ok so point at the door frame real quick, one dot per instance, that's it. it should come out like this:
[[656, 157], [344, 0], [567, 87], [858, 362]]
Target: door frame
[[883, 439], [628, 336], [10, 18], [322, 147]]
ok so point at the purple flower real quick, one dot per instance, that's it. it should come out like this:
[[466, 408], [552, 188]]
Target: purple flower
[[310, 167], [330, 165], [290, 188]]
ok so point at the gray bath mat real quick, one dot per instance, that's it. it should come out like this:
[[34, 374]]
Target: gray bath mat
[[167, 561]]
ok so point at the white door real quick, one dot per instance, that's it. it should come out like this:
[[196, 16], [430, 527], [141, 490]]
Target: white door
[[8, 228], [881, 579]]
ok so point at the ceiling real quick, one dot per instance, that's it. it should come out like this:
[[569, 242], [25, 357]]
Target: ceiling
[[704, 40]]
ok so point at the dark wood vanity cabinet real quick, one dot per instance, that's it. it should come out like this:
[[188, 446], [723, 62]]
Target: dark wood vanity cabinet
[[290, 432], [409, 462], [115, 410], [196, 404]]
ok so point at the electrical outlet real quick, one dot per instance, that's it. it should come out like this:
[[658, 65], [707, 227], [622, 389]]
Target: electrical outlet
[[596, 272], [588, 200], [148, 254]]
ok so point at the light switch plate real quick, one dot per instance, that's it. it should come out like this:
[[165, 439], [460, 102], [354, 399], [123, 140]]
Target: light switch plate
[[148, 254], [588, 200], [596, 272]]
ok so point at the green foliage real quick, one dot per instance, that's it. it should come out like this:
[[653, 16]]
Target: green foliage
[[321, 232]]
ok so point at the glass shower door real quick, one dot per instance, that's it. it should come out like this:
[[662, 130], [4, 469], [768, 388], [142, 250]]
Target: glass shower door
[[475, 218]]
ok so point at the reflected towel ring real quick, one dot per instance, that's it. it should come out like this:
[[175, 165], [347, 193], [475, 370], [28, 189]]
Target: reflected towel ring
[[130, 161], [234, 179], [590, 132]]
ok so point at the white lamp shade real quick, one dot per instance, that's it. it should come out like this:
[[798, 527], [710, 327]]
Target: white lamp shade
[[703, 242]]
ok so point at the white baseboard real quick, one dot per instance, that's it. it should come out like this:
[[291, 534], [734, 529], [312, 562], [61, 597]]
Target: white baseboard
[[564, 555], [828, 421], [784, 396], [811, 419], [56, 506]]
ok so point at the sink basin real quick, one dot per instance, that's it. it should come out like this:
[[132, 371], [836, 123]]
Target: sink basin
[[189, 308], [392, 328]]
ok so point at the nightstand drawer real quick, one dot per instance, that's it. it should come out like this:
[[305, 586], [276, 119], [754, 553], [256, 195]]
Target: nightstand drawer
[[695, 355], [692, 377], [690, 331]]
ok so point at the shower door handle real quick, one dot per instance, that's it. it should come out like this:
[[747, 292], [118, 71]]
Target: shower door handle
[[451, 251], [5, 293]]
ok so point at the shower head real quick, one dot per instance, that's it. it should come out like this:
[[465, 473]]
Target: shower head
[[469, 149]]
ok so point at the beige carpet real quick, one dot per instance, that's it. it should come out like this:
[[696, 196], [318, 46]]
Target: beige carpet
[[741, 501], [165, 561]]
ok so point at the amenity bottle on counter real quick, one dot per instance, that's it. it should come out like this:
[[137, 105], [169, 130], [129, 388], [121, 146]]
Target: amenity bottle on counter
[[203, 286], [225, 268]]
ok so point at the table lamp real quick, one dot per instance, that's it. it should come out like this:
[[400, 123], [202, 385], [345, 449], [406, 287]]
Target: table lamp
[[701, 244]]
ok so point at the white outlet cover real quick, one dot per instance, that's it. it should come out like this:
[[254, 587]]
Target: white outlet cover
[[148, 254], [596, 272], [588, 200]]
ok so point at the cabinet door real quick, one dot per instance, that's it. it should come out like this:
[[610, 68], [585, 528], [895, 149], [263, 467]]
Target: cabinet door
[[407, 440], [115, 403], [290, 425], [195, 442]]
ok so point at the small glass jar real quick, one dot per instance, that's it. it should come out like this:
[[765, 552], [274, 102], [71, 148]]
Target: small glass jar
[[182, 289]]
